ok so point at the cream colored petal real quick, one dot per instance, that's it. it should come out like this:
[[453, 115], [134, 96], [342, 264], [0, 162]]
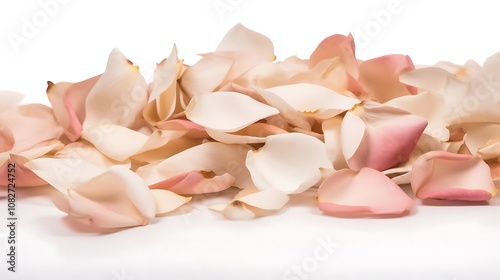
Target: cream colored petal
[[205, 75], [478, 135], [167, 201], [426, 105], [290, 163], [316, 101], [254, 133], [83, 150], [331, 131], [119, 95], [114, 141], [243, 40], [226, 111]]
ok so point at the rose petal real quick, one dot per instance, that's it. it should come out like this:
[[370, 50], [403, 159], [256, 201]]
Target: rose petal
[[243, 40], [119, 95], [380, 76], [313, 100], [68, 102], [10, 99], [205, 75], [226, 111], [379, 136], [443, 175], [167, 201], [195, 182], [290, 163], [254, 133], [366, 192]]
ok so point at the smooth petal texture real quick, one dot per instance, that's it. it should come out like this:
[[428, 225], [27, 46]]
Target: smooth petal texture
[[210, 159], [379, 136], [329, 73], [118, 97], [29, 125], [290, 163], [116, 198], [380, 76], [429, 106], [313, 100], [366, 192], [84, 151], [252, 203], [226, 111], [336, 46], [68, 102], [195, 182], [163, 98], [481, 135], [243, 40], [331, 131], [449, 176], [205, 75], [433, 79], [167, 201], [254, 133], [106, 137]]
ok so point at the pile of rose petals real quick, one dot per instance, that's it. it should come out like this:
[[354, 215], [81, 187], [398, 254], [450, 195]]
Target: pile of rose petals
[[121, 151]]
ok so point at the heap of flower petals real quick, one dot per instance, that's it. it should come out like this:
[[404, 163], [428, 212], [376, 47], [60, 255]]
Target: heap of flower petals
[[370, 137]]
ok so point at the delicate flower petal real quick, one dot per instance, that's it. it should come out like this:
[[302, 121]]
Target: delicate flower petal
[[31, 124], [331, 130], [118, 97], [379, 136], [243, 40], [336, 46], [211, 159], [252, 203], [106, 137], [290, 163], [163, 98], [426, 105], [254, 133], [68, 102], [478, 136], [431, 79], [443, 175], [316, 101], [366, 192], [205, 75], [115, 198], [195, 182], [167, 201], [226, 111]]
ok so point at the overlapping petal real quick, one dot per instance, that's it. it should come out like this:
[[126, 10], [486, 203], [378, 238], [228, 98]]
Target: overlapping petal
[[379, 136], [362, 193], [443, 175], [290, 163], [252, 203]]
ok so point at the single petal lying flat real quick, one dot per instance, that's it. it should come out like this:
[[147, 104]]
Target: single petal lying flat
[[449, 176], [290, 163], [227, 111], [363, 193]]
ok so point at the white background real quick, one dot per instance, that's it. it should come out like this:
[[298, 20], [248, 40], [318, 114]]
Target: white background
[[72, 44]]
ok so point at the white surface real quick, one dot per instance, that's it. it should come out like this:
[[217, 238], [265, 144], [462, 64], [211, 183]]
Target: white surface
[[434, 242]]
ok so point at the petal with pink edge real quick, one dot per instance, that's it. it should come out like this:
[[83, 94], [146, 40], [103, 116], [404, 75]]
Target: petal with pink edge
[[363, 193], [378, 136], [449, 176], [290, 163]]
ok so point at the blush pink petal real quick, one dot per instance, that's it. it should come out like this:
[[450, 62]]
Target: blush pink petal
[[210, 158], [31, 124], [24, 176], [254, 133], [194, 182], [192, 129], [336, 46], [68, 102], [449, 176], [363, 193], [379, 136], [380, 76]]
